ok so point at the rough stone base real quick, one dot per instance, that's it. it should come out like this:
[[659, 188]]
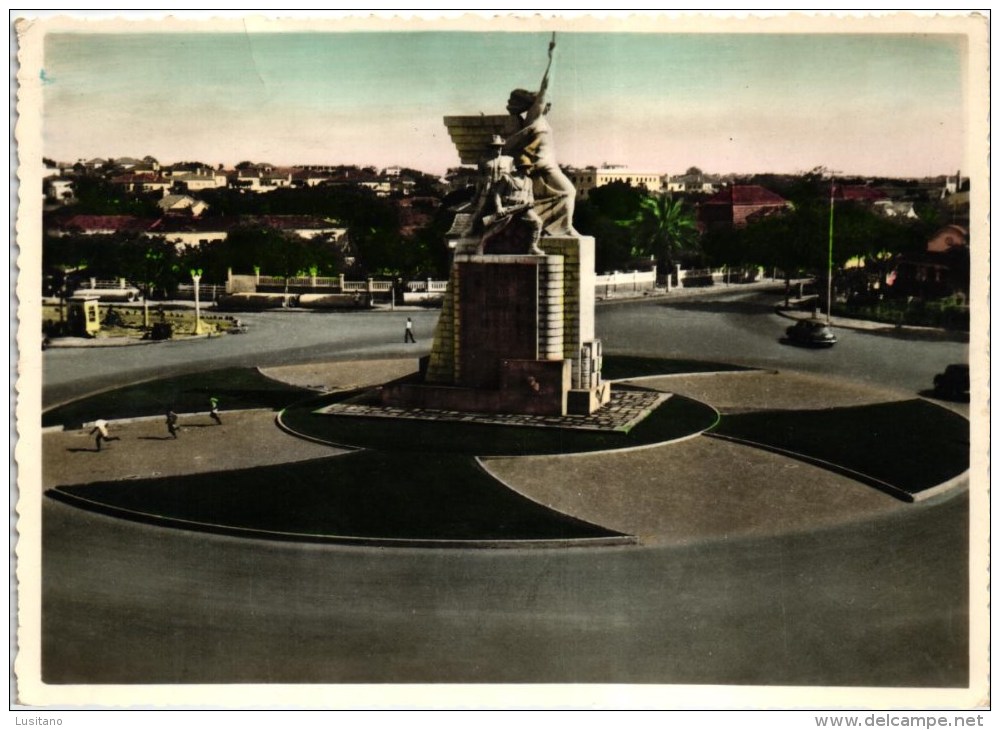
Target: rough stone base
[[623, 411], [536, 387], [584, 402]]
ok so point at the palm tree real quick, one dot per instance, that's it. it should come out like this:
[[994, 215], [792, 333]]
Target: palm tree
[[664, 228]]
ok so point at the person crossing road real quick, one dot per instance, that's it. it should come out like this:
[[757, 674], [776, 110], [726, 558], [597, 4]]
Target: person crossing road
[[172, 423], [214, 413], [101, 429]]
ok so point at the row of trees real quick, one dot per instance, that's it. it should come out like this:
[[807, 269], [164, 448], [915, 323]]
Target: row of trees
[[378, 246], [631, 226], [805, 239]]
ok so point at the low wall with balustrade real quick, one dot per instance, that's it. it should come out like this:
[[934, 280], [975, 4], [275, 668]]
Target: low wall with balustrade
[[621, 283]]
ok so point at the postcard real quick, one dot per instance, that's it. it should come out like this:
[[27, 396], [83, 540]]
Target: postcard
[[502, 360]]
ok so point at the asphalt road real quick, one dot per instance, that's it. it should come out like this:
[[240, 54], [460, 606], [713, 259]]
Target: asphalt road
[[273, 338], [729, 327], [881, 602], [878, 603], [743, 328]]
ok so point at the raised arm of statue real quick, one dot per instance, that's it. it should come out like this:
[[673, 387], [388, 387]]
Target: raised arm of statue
[[538, 108], [532, 146]]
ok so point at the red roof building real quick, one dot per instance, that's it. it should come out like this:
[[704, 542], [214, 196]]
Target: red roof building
[[733, 206], [104, 224]]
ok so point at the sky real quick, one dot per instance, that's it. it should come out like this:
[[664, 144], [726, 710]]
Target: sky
[[865, 104]]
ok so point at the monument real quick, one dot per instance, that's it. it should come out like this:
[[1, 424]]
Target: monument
[[516, 331]]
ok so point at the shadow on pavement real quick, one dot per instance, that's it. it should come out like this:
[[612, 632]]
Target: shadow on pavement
[[722, 307], [934, 395], [912, 334]]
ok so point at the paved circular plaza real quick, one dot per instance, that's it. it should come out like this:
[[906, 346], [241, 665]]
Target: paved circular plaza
[[673, 484]]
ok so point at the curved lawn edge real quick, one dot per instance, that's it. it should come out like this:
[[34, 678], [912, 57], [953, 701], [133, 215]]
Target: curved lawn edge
[[631, 539], [280, 423], [700, 373], [871, 481], [625, 366], [676, 418], [237, 387], [345, 540], [900, 447], [359, 498]]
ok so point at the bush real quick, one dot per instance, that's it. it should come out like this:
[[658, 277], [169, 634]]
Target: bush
[[943, 313]]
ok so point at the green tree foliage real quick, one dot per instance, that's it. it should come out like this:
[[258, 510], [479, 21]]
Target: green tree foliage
[[798, 241], [608, 215], [96, 195], [424, 184], [273, 252], [426, 252], [372, 222], [149, 263], [629, 224], [613, 247], [664, 229], [618, 201]]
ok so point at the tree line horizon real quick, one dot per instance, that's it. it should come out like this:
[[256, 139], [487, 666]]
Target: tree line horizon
[[633, 228]]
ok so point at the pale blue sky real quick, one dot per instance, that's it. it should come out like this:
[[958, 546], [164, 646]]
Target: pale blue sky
[[865, 104]]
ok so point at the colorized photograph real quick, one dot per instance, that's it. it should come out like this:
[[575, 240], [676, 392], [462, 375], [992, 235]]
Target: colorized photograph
[[531, 351]]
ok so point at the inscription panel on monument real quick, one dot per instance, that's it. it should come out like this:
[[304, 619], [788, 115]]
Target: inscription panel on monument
[[497, 318]]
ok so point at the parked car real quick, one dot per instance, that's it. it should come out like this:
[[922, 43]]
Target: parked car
[[953, 383], [811, 332]]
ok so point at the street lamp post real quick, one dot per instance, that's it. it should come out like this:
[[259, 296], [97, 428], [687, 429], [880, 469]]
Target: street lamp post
[[196, 278], [151, 256]]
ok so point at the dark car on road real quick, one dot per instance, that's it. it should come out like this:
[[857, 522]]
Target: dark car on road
[[812, 333], [953, 383]]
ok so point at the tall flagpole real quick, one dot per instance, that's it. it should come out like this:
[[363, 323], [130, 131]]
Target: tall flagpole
[[829, 259]]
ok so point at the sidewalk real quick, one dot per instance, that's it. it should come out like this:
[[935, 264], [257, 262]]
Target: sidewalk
[[62, 342], [862, 325], [693, 292]]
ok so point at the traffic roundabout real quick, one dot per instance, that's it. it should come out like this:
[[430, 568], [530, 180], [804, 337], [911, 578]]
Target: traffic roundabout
[[756, 450]]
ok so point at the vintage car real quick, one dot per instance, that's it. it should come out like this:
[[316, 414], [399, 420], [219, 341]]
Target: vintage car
[[953, 383], [811, 333]]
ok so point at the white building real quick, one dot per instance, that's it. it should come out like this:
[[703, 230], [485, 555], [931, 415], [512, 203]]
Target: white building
[[182, 204], [694, 183], [587, 178], [203, 180], [263, 179]]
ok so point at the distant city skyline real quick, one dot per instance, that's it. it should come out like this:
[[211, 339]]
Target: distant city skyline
[[865, 104]]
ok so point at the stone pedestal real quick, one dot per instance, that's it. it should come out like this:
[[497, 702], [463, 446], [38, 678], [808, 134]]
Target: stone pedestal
[[516, 335]]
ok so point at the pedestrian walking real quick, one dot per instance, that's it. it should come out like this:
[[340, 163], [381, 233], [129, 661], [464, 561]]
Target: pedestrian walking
[[214, 413], [172, 423], [101, 429], [408, 337]]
